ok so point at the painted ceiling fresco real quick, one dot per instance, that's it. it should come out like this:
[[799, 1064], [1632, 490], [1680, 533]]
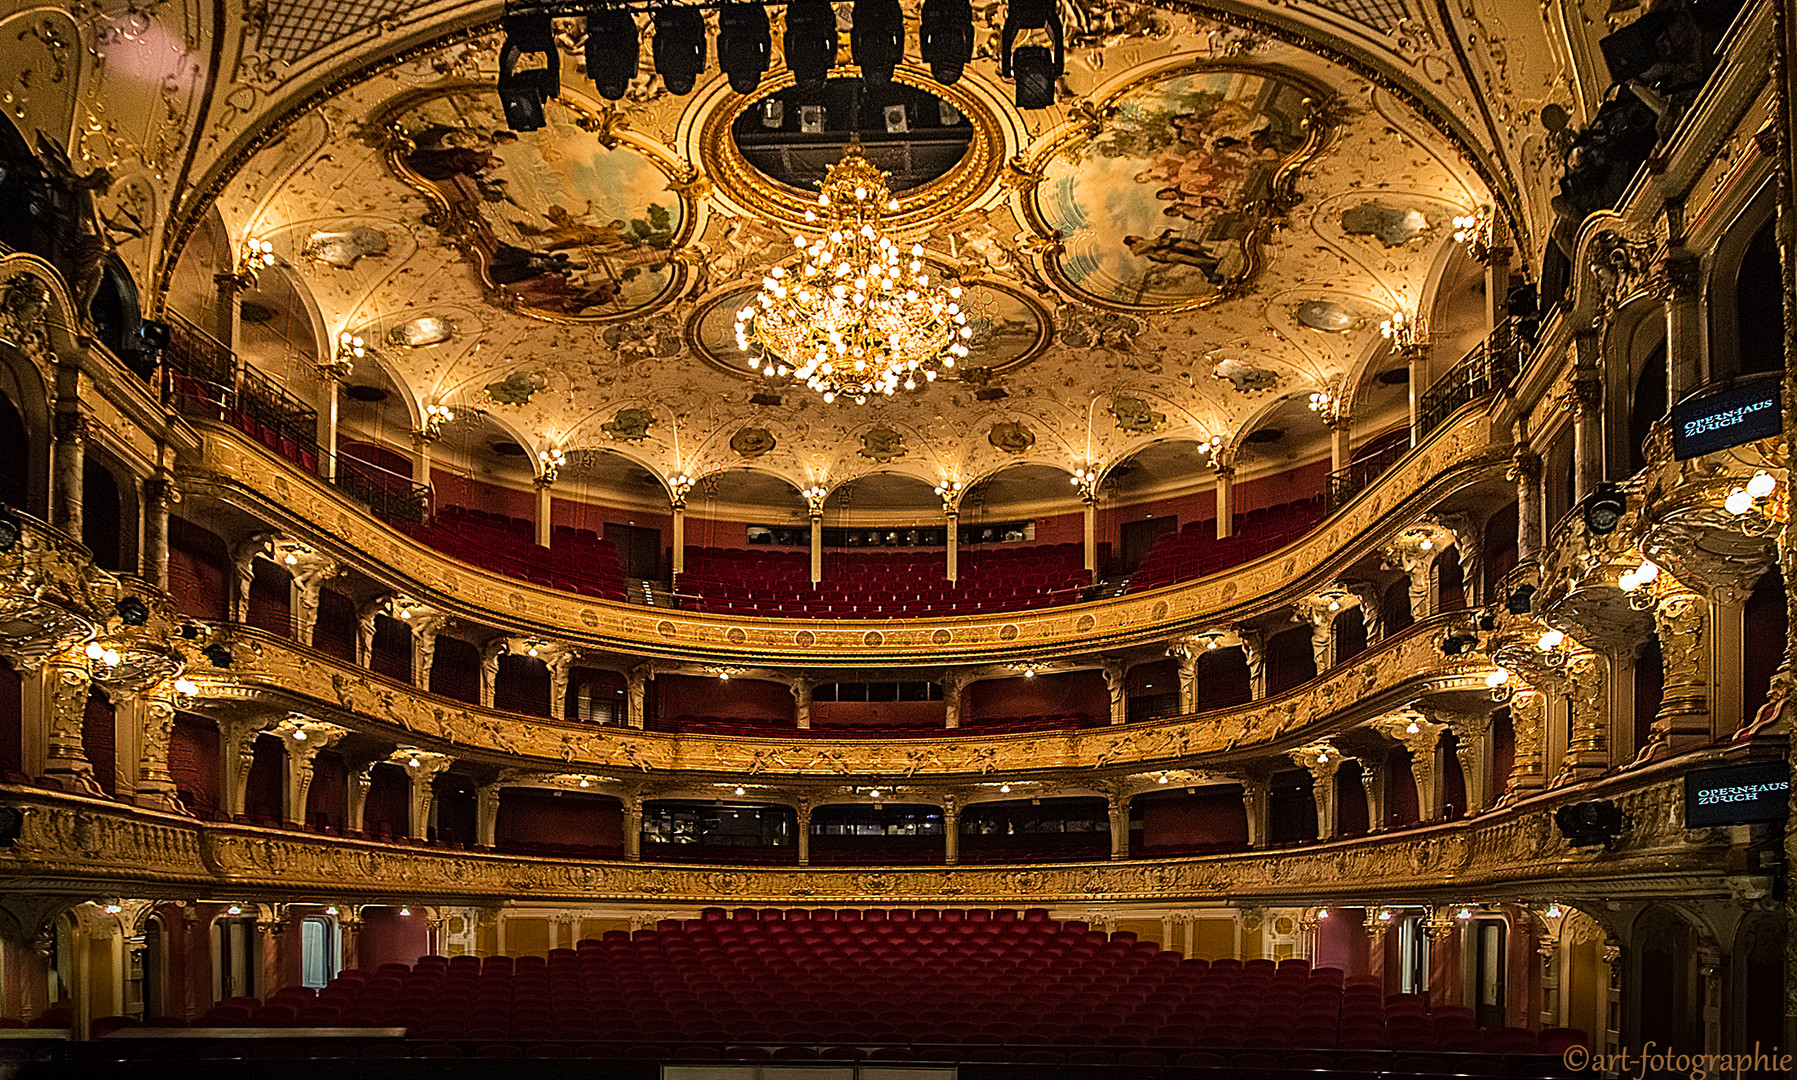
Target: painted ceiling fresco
[[1207, 224]]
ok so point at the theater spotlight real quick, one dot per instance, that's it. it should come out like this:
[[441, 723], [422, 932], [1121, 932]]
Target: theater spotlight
[[132, 611], [744, 45], [877, 39], [1521, 600], [1604, 509], [679, 47], [524, 92], [947, 38], [1596, 823], [810, 43], [1458, 644], [1035, 67], [613, 51]]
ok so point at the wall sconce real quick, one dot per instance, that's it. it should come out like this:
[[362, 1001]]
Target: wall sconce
[[258, 255], [552, 461], [435, 416], [1401, 329], [1086, 479], [948, 491], [678, 486]]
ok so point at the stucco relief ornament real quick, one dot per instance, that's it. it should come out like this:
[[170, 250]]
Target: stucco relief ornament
[[752, 442], [882, 444], [517, 388], [1135, 415], [24, 304], [629, 425], [1011, 436], [1082, 327], [346, 247]]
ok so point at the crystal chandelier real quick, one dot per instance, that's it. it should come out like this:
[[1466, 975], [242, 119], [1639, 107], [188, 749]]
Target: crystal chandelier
[[852, 315]]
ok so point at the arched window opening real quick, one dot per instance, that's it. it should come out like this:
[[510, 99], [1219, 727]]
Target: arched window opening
[[1647, 404]]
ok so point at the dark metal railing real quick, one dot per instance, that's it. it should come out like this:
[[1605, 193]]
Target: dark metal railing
[[387, 493], [1346, 483]]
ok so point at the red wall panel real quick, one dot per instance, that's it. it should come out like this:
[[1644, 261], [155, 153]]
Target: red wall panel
[[542, 817], [387, 937], [193, 762], [736, 699], [1068, 693]]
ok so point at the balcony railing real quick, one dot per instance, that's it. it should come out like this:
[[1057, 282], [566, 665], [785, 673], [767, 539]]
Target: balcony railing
[[1477, 374], [1346, 483], [202, 378]]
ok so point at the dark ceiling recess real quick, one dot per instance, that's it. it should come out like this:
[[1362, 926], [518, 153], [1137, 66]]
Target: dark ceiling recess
[[1265, 435], [254, 311], [371, 394], [1395, 376], [765, 399], [990, 393], [793, 135], [508, 449]]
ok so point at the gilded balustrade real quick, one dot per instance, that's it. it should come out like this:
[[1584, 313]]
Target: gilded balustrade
[[241, 472], [76, 845]]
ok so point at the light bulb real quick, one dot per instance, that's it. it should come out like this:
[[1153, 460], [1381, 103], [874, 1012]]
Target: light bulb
[[110, 658], [1553, 911], [1163, 779], [300, 735], [187, 686], [874, 794], [1550, 640], [405, 912], [1762, 484], [1322, 759], [739, 791], [1464, 913], [1646, 572], [1412, 729], [94, 650], [584, 782], [1004, 789], [1738, 502], [1497, 678], [413, 762], [1335, 605], [1427, 544]]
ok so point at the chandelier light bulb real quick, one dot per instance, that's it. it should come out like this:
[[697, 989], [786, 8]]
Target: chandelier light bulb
[[739, 790], [1550, 640], [299, 735], [186, 686], [584, 782], [94, 650], [1427, 544], [1762, 484], [1647, 572], [1497, 678], [110, 658], [1553, 911], [1738, 502], [1004, 789]]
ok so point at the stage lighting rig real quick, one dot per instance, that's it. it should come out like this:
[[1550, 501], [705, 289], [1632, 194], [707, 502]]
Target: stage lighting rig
[[877, 39], [811, 42], [613, 50], [947, 38], [745, 44], [524, 92], [679, 47], [1035, 67]]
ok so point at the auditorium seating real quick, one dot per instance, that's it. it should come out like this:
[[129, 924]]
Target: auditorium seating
[[880, 584], [576, 560], [957, 985], [1194, 550]]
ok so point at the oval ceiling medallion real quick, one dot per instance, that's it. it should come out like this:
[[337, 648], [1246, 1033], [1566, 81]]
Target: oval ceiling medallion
[[574, 222], [941, 637], [736, 635], [804, 639], [1326, 315]]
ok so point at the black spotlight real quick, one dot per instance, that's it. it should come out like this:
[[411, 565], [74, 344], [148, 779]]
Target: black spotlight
[[612, 49], [12, 823], [1604, 509], [1523, 305], [189, 631], [1458, 644], [132, 611], [810, 43], [947, 38], [152, 335], [217, 655], [1035, 67], [1488, 622], [10, 530], [1522, 600], [523, 93], [745, 44], [1597, 823], [877, 39], [679, 47]]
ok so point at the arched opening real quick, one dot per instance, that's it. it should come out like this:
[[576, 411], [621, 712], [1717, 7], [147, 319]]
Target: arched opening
[[521, 685], [265, 790], [1076, 698], [99, 740], [1350, 799], [197, 562], [1224, 678], [1646, 404], [1158, 499], [237, 957], [1042, 830], [334, 632], [1650, 681], [681, 830], [1291, 808], [851, 834], [1764, 632], [539, 822], [12, 725], [454, 811], [1188, 821], [15, 447], [455, 669], [115, 315], [327, 798], [154, 965], [1664, 982], [1498, 555], [1152, 690], [1450, 579], [391, 652], [1759, 306], [698, 703], [271, 594], [1291, 661], [1401, 800], [1758, 976], [387, 811], [102, 515], [1349, 629], [1394, 607], [1453, 778], [193, 763], [321, 955]]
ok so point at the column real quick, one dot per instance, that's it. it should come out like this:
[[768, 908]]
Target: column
[[1119, 825], [1254, 651], [1680, 274], [158, 492], [1525, 470], [1588, 738], [421, 457], [804, 819], [1341, 444], [425, 626], [951, 830], [1682, 620], [237, 751], [327, 421], [1225, 499], [1416, 359], [1425, 766], [1089, 503], [1254, 803], [424, 777], [360, 780], [560, 661], [231, 285], [801, 702], [1588, 413], [678, 538], [1473, 746], [486, 814], [489, 668], [1316, 611], [153, 786], [633, 826], [1187, 654], [1115, 673], [308, 575], [65, 684], [243, 565], [68, 455], [1322, 788], [302, 754], [1529, 772], [953, 683], [636, 696], [544, 507], [952, 546], [817, 546], [1372, 785]]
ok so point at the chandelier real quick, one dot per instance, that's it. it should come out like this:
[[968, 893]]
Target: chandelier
[[852, 315]]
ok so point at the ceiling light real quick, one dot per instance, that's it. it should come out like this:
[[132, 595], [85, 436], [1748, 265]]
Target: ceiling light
[[810, 43], [739, 790], [258, 254], [1004, 789], [724, 676], [1029, 673], [405, 912], [584, 782], [94, 650], [332, 910], [946, 38], [678, 47], [877, 39], [744, 45], [613, 51], [524, 92], [186, 686], [1323, 759], [1412, 729], [1553, 911], [413, 762], [1427, 544], [234, 909], [874, 794], [1323, 914], [1497, 678], [1163, 779], [1464, 913], [853, 314], [1384, 916], [299, 735]]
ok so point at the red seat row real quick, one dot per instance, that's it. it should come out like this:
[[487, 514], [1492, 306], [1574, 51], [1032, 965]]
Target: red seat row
[[1195, 550]]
